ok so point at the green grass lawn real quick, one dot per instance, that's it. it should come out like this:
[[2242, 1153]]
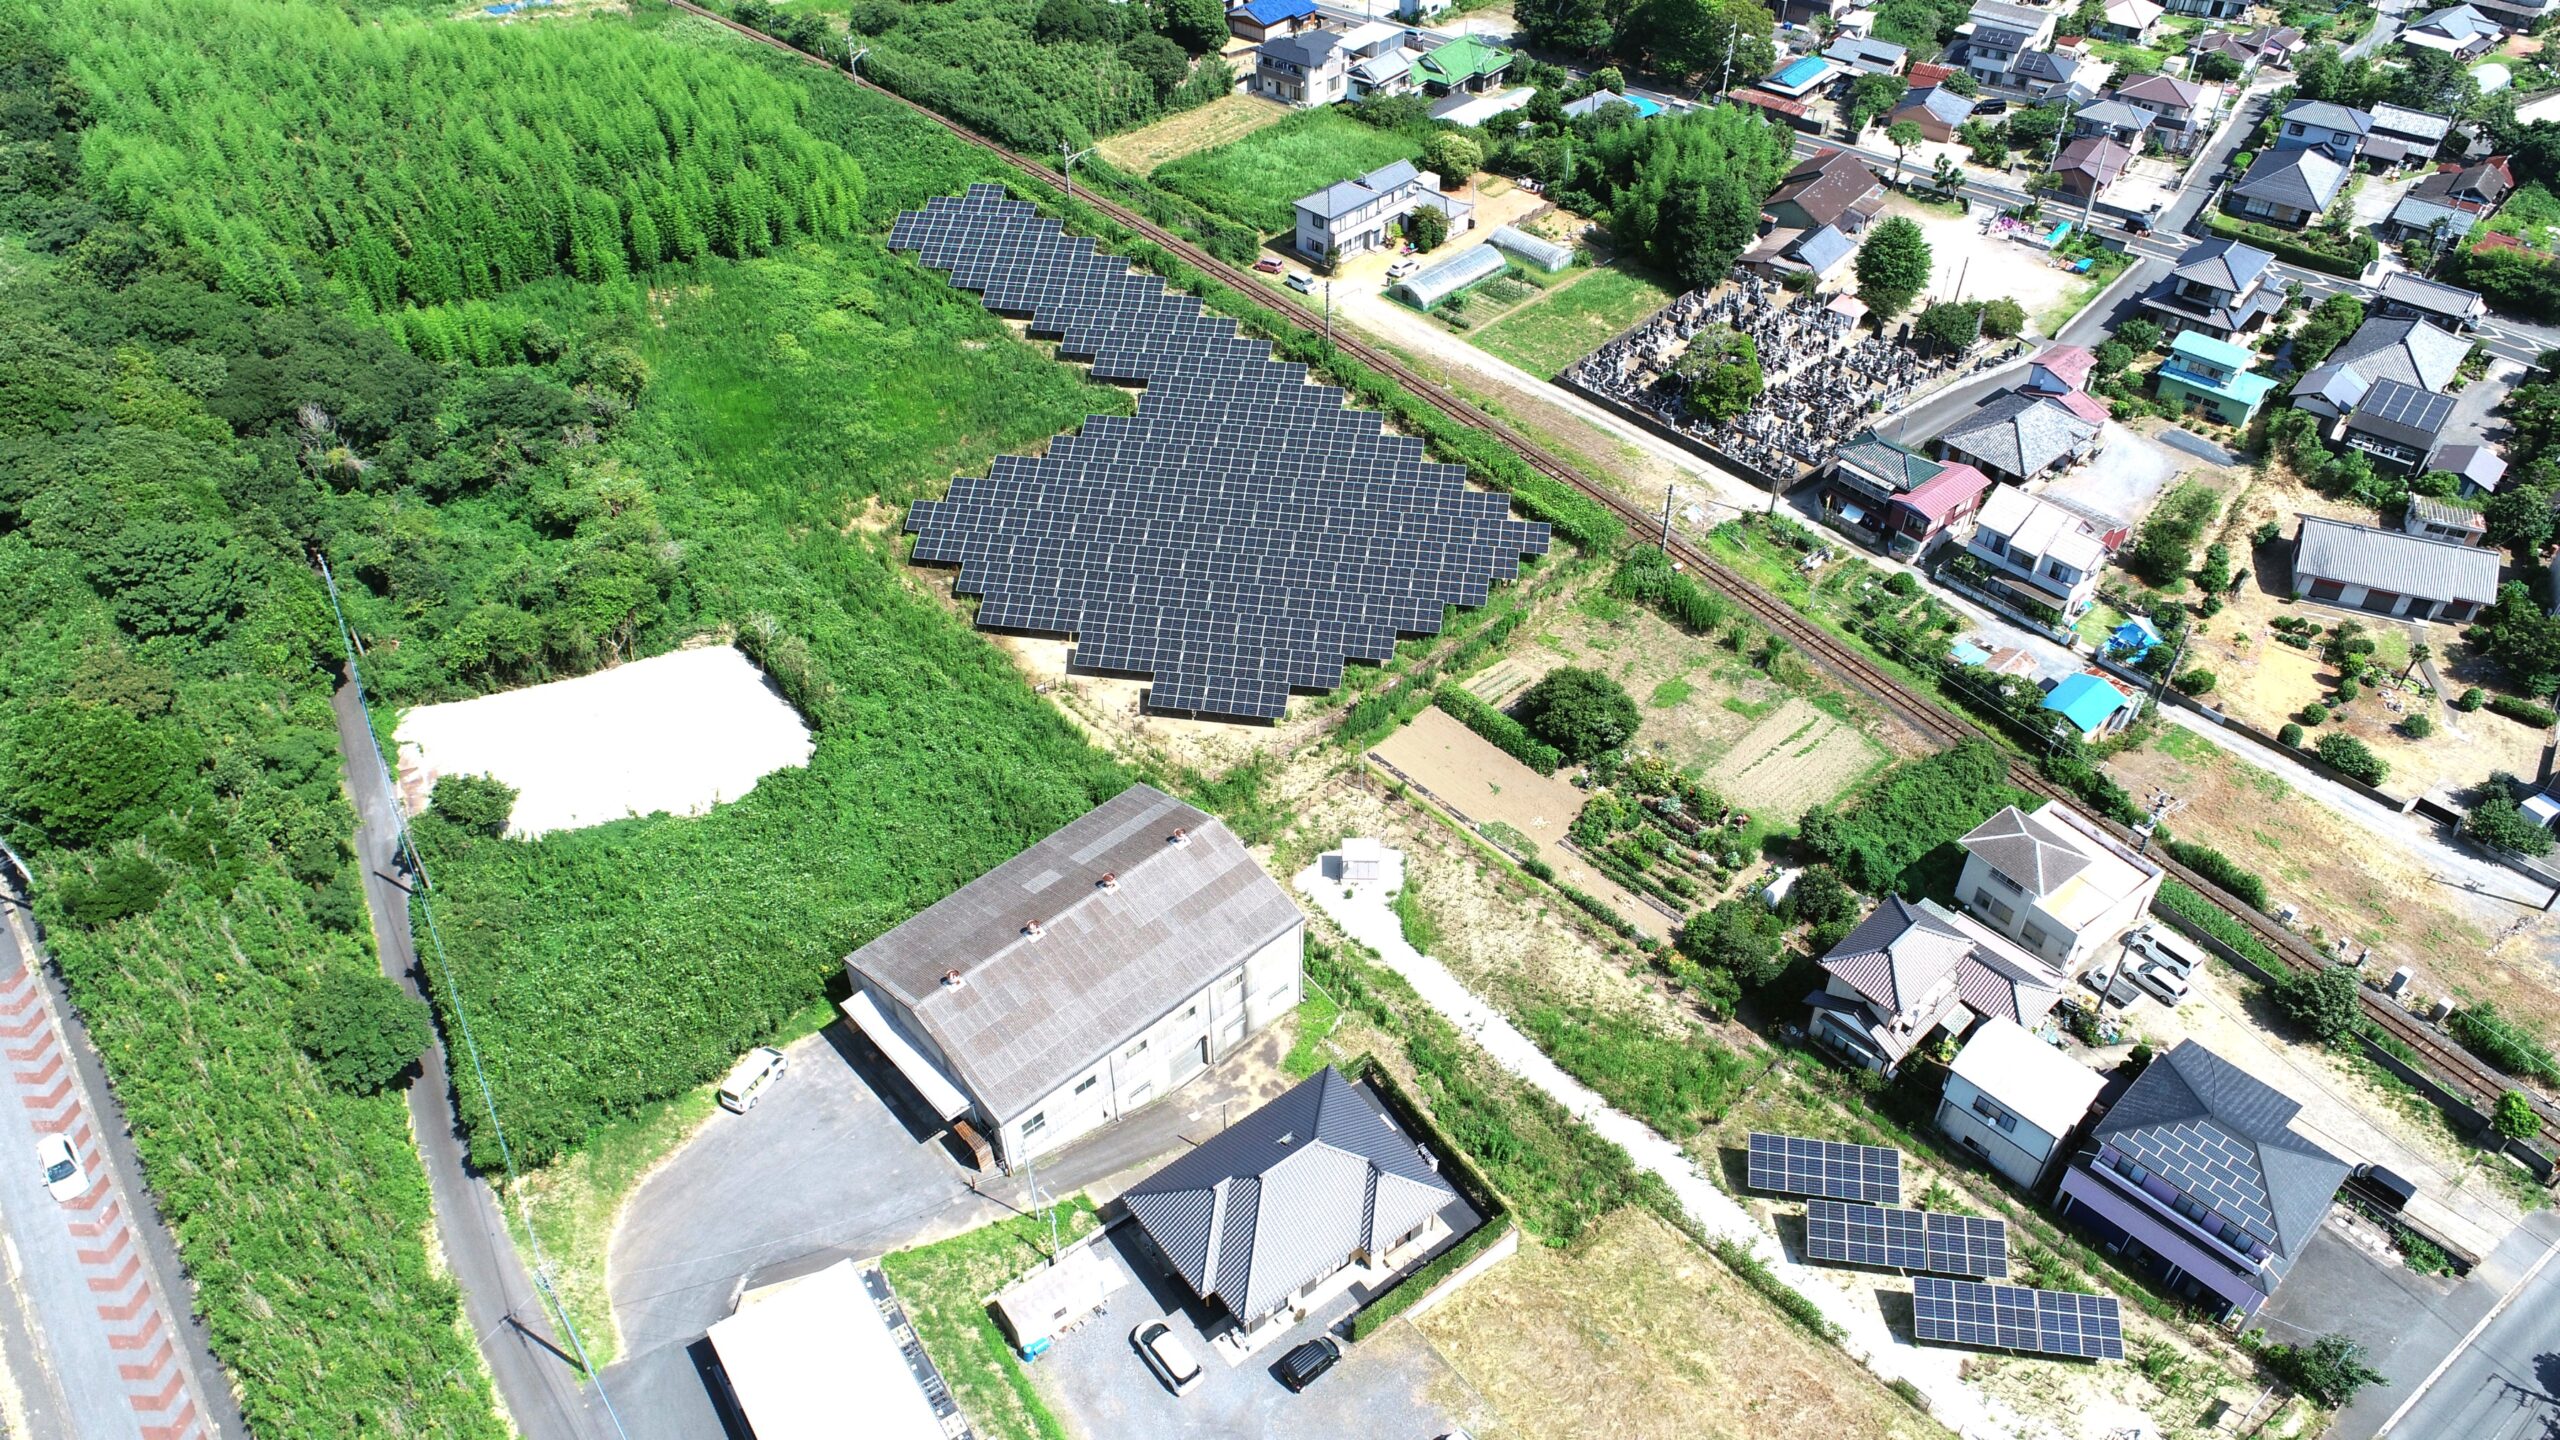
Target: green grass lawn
[[945, 1288], [1259, 179], [1544, 336]]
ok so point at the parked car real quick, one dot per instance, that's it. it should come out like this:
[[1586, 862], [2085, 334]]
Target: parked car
[[751, 1077], [2382, 1187], [2166, 986], [1304, 1364], [1269, 265], [1302, 282], [1166, 1355], [2167, 950], [62, 1173], [1992, 106], [1403, 267], [2112, 986]]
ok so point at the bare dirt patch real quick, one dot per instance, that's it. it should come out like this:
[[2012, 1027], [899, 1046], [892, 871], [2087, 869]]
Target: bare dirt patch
[[1796, 757], [1985, 265], [1640, 1335], [1227, 118]]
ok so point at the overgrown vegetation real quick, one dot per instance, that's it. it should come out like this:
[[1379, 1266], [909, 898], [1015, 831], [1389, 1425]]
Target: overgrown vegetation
[[1914, 809], [944, 1289]]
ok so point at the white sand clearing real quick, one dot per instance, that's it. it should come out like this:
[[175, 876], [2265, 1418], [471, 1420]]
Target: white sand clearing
[[679, 733]]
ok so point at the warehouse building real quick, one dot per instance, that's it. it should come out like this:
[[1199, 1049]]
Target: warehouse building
[[1098, 970]]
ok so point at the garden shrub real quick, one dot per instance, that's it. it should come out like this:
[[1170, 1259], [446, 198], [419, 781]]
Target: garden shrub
[[2470, 699], [1583, 713], [2291, 734], [2314, 713], [2222, 870], [1507, 734], [2352, 758], [361, 1028], [2523, 711], [2503, 1043]]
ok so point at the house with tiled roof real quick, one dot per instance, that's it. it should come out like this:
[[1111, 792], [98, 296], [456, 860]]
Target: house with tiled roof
[[1936, 110], [2054, 882], [2059, 369], [2220, 287], [2130, 20], [2398, 424], [2404, 296], [1353, 217], [1996, 35], [2181, 110], [2209, 9], [2391, 572], [1830, 187], [2197, 1175], [2021, 435], [2088, 165], [1466, 63], [2291, 188], [1911, 970], [2335, 130], [1888, 496], [2449, 202], [2456, 30], [2413, 352], [2112, 120], [2042, 558], [2213, 376], [1260, 20], [2401, 135]]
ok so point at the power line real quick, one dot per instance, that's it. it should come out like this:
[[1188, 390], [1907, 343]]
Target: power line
[[453, 995]]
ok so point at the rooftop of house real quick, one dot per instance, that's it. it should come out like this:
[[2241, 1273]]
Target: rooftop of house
[[1948, 491], [2045, 1087], [2113, 115], [2394, 560], [1140, 900], [2433, 296], [1914, 963], [2134, 14], [1272, 12], [2299, 179], [2479, 464], [2329, 115], [2397, 410], [1344, 196], [2095, 156], [2040, 527], [1313, 49], [2225, 265], [1893, 466], [1460, 61], [2069, 364], [2418, 124], [1828, 185], [2075, 871], [1941, 103], [2413, 352], [2163, 90], [2020, 432], [2088, 701], [2213, 1132]]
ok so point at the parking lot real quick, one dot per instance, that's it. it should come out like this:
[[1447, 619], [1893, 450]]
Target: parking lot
[[1388, 1387]]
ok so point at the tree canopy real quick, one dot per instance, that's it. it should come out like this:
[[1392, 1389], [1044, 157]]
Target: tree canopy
[[1893, 266], [1722, 370], [1583, 713]]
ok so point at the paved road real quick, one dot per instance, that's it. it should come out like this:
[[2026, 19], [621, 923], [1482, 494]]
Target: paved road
[[94, 1348], [2497, 1376], [541, 1391]]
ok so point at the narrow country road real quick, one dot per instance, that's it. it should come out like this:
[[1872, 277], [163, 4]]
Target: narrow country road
[[98, 1338], [538, 1385], [1363, 913]]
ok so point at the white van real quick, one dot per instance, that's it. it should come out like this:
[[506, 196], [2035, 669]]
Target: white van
[[751, 1077]]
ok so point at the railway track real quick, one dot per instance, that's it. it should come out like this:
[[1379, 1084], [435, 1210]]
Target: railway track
[[2453, 1065]]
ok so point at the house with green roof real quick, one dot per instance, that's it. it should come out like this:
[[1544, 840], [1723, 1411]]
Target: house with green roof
[[1465, 63], [2213, 376]]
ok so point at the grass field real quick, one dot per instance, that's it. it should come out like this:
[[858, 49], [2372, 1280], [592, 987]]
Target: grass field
[[1544, 336], [1258, 180], [1220, 122]]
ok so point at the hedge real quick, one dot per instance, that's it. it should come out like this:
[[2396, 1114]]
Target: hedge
[[2526, 712], [2188, 903], [2498, 1040], [1406, 1293], [1647, 575], [2285, 245], [2222, 870], [1507, 734], [1790, 1302]]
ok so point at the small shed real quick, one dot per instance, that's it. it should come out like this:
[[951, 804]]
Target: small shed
[[1364, 860], [1045, 1302], [1535, 250], [1436, 283]]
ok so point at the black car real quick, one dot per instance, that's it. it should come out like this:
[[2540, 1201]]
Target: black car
[[2382, 1187], [1302, 1366], [1993, 106]]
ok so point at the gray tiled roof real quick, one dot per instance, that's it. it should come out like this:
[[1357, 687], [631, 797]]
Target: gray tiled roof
[[2328, 115], [2391, 560], [2225, 265], [2419, 293], [1030, 1014], [2166, 90], [1900, 958], [2197, 1121], [2113, 115], [2050, 66], [1342, 197], [2341, 386], [1311, 48], [1897, 955], [2019, 433], [1939, 101], [2302, 179], [2479, 464], [2413, 352], [1284, 1195], [2023, 848], [2417, 124], [1897, 467]]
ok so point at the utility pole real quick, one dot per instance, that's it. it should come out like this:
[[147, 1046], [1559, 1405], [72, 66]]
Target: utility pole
[[2161, 682], [1732, 34], [1667, 492], [2144, 831], [1068, 155], [853, 58]]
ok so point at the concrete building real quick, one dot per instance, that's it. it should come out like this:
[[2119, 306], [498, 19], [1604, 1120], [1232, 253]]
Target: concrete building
[[1354, 217], [794, 1353], [2055, 883], [1909, 971], [2015, 1101], [2044, 558], [2213, 376], [2444, 520], [2390, 572], [1102, 968]]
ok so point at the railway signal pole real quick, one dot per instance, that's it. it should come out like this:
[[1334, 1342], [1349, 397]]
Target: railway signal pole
[[1068, 155]]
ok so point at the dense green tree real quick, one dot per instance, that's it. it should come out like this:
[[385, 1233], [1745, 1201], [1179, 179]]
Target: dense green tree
[[121, 886], [2003, 318], [2326, 1003], [1159, 59], [1949, 324], [1582, 27], [360, 1028], [80, 774], [474, 804], [1893, 266], [1707, 38], [1454, 155], [2350, 756], [2167, 544], [1583, 713], [2327, 329], [2514, 1117], [1721, 369], [2521, 516], [2497, 820], [1871, 96], [2330, 1369], [1701, 230], [2524, 638], [1199, 26], [1821, 897], [1427, 227], [1739, 935]]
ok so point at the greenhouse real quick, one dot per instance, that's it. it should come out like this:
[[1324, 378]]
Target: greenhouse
[[1521, 245], [1438, 282]]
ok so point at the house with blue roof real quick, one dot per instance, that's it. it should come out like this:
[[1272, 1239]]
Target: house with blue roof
[[1260, 20], [2203, 373], [2093, 705]]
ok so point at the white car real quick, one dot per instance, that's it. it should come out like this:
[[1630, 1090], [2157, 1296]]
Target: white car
[[2166, 986], [1403, 267], [1166, 1355], [61, 1164]]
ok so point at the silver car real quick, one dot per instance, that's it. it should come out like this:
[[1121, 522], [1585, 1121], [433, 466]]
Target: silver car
[[2164, 985], [1166, 1355]]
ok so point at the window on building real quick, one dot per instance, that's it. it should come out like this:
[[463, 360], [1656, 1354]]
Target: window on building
[[1134, 1051], [1087, 1083], [2005, 1122], [1999, 911], [2034, 935], [1035, 1124], [2129, 1168], [1194, 1010]]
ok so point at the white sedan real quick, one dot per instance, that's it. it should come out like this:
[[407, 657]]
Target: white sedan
[[62, 1173]]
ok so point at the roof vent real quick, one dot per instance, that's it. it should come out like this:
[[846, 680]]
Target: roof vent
[[1111, 881], [1180, 836], [1287, 1137], [953, 979], [1031, 930]]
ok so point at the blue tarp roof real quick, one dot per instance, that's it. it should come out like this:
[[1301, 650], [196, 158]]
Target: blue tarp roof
[[1272, 12], [2086, 701], [2135, 635], [1965, 652]]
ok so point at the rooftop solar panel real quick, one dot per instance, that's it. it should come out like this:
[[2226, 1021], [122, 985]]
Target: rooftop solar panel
[[1833, 1169], [1838, 1232], [2012, 1317], [1237, 538]]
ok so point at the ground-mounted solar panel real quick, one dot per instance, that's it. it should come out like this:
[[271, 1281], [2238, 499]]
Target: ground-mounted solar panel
[[1237, 538], [1841, 1232], [2015, 1318], [1832, 1169]]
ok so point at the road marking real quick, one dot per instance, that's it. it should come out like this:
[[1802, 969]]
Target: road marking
[[2456, 1352]]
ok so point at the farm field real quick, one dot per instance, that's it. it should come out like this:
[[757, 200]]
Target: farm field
[[1572, 319], [1259, 179], [1222, 121]]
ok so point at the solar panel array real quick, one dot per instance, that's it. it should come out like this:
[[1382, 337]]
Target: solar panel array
[[2012, 1317], [1840, 1233], [1834, 1169], [1240, 535]]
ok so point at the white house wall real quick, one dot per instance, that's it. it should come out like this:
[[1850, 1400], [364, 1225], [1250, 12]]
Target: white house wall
[[2021, 1153]]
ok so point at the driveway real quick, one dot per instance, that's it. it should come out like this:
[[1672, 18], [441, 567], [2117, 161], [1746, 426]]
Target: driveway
[[2124, 478], [1386, 1386], [2349, 1281]]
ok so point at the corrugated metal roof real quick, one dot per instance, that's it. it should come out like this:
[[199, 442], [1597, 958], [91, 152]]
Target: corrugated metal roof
[[2390, 560], [1030, 1014], [1272, 12], [1437, 282]]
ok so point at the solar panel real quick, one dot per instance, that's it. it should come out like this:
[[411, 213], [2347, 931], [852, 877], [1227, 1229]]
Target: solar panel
[[1241, 536], [2012, 1317], [1838, 1232], [1834, 1169]]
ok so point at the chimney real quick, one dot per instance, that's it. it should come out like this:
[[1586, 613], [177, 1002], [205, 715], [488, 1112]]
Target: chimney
[[1180, 836], [1031, 930], [953, 979], [1111, 881]]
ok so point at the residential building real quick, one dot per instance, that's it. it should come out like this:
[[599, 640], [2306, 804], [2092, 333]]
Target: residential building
[[1306, 67], [1936, 110], [2021, 435], [2337, 131], [1260, 20], [2088, 165], [1260, 1215], [1781, 253], [2479, 466], [2329, 389], [2015, 1101], [1800, 77], [2519, 16], [2181, 110], [2209, 9], [2413, 352], [2198, 1175], [1460, 107], [1863, 55], [2039, 554], [1888, 496], [2389, 572], [1100, 969], [1353, 217], [2414, 134], [2443, 520], [1466, 63], [2221, 288], [2277, 44], [2234, 48], [2456, 30], [2059, 370], [1794, 114], [2398, 425], [2090, 703], [2291, 188], [1943, 504], [2130, 20], [2048, 74], [2445, 206], [1828, 188], [1995, 34], [2054, 882], [1926, 73], [2404, 296], [792, 1352], [2213, 376], [2112, 119], [1908, 971]]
